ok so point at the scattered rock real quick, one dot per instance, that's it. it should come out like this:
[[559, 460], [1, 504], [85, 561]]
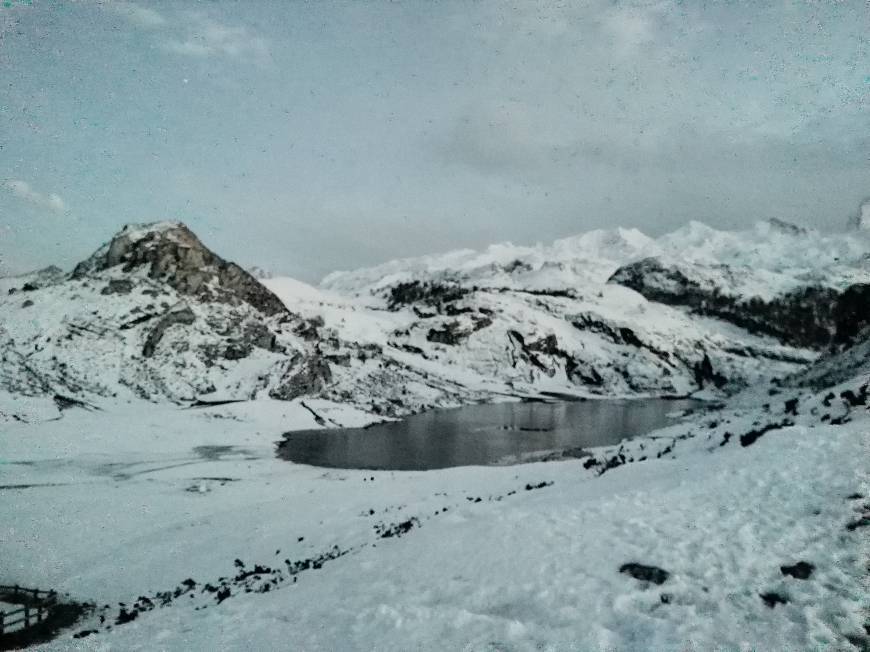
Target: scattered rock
[[118, 286], [310, 378], [85, 633], [645, 573], [433, 294], [864, 521], [801, 570], [184, 316], [452, 334], [396, 529], [771, 599], [749, 438]]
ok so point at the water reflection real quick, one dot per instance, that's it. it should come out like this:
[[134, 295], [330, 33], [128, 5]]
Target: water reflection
[[479, 434]]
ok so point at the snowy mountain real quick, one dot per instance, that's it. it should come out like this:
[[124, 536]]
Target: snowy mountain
[[617, 312], [154, 313], [727, 528]]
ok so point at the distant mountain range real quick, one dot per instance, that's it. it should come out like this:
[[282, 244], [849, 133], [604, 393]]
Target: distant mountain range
[[155, 314]]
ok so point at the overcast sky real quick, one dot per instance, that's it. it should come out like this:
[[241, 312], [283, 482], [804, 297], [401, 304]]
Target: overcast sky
[[308, 137]]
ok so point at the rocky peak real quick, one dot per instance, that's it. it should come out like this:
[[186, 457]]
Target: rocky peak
[[171, 252]]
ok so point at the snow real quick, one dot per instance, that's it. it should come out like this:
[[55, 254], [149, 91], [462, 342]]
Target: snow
[[9, 607], [74, 340], [135, 232], [136, 498], [773, 249]]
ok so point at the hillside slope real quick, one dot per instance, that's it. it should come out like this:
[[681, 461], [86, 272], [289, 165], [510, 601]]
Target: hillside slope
[[156, 314]]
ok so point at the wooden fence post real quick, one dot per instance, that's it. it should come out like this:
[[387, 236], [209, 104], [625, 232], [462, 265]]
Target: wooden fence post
[[26, 616], [1, 622]]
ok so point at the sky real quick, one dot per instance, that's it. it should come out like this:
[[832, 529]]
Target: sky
[[311, 137]]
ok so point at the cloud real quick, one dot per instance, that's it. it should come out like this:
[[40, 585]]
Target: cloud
[[205, 37], [23, 191], [143, 17], [194, 34]]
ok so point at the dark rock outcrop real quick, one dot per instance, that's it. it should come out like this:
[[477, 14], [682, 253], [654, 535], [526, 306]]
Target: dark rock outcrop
[[706, 375], [852, 313], [118, 286], [452, 334], [428, 293], [805, 317], [174, 255], [310, 378], [801, 570], [182, 316], [645, 573]]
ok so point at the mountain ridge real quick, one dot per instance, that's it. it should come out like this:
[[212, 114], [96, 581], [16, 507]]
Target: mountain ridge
[[158, 314]]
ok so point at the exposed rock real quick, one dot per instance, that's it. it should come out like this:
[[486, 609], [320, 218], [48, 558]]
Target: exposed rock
[[771, 599], [309, 329], [452, 333], [310, 378], [429, 293], [645, 573], [237, 351], [802, 317], [852, 313], [749, 438], [801, 570], [548, 344], [183, 316], [118, 286], [172, 253], [704, 374], [786, 227]]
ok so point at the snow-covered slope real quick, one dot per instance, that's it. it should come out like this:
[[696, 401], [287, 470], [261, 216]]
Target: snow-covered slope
[[737, 528], [743, 526], [154, 313], [766, 260], [564, 318]]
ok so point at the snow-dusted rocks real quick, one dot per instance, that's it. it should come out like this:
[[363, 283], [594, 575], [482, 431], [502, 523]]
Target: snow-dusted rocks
[[153, 313], [609, 312], [751, 304], [171, 253]]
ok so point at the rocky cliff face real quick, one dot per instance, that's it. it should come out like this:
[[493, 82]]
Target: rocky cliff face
[[156, 314], [153, 313], [169, 252], [813, 316]]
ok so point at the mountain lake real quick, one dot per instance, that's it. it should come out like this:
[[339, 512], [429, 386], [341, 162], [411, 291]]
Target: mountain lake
[[489, 434]]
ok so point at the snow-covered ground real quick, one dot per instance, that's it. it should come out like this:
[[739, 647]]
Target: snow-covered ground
[[137, 498], [740, 527]]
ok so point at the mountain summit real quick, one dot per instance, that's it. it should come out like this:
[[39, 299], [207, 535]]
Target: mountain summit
[[170, 251]]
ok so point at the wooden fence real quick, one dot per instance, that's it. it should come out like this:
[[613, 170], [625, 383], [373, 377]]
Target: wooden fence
[[36, 606]]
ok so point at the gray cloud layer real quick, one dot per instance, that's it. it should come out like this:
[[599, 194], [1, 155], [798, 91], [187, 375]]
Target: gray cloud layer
[[309, 137]]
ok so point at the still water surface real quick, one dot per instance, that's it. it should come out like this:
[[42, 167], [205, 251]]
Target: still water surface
[[480, 434]]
